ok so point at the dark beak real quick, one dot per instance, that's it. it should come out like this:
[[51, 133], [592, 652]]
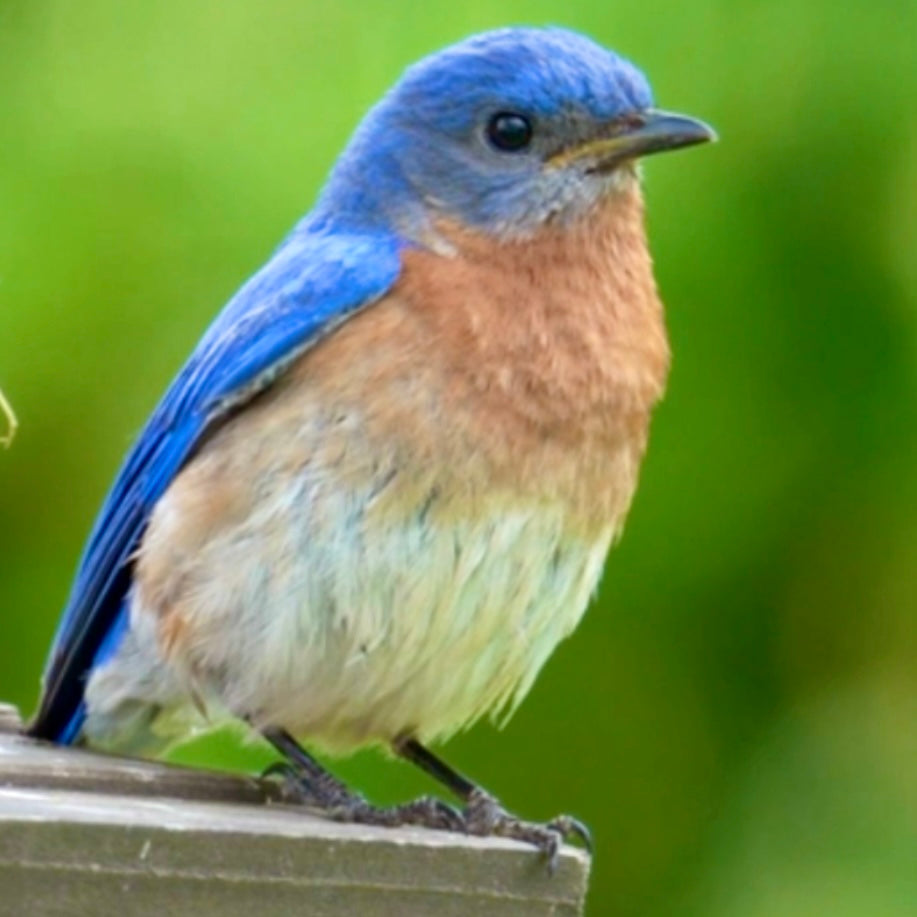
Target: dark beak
[[638, 134]]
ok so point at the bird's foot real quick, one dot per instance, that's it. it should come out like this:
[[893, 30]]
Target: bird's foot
[[334, 800], [484, 816]]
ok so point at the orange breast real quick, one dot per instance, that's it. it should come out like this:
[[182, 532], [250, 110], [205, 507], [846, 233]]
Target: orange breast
[[527, 364]]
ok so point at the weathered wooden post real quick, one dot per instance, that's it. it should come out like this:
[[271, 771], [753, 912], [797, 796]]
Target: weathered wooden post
[[85, 834]]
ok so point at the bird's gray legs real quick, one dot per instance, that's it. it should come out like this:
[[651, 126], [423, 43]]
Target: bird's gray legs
[[483, 814], [305, 781]]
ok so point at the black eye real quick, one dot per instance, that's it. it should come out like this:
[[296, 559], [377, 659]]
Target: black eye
[[509, 132]]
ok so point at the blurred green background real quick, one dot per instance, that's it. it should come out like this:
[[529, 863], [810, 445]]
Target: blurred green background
[[737, 716]]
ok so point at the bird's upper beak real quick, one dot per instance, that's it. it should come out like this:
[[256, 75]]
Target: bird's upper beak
[[635, 135]]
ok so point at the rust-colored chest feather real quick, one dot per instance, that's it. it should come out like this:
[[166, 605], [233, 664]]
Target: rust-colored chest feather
[[531, 365], [564, 330]]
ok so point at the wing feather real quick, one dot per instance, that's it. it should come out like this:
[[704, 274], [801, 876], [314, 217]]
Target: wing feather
[[314, 282]]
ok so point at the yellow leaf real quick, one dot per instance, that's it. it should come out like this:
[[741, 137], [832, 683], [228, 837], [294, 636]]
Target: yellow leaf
[[6, 409]]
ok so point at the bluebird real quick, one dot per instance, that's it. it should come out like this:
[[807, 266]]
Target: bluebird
[[382, 488]]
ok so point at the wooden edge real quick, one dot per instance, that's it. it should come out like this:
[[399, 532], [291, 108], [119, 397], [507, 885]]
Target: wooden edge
[[75, 823]]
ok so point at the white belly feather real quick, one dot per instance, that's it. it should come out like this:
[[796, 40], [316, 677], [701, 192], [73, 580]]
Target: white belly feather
[[345, 626]]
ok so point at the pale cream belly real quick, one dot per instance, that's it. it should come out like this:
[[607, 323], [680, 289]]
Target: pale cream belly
[[348, 623]]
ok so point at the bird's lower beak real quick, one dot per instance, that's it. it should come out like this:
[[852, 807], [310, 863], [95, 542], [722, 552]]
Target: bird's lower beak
[[636, 135]]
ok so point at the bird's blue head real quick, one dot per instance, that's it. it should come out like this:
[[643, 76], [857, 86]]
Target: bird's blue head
[[501, 132]]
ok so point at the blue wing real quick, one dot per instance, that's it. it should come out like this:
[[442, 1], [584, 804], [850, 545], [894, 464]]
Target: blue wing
[[314, 282]]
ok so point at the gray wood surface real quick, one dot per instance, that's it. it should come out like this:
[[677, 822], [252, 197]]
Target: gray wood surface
[[87, 834]]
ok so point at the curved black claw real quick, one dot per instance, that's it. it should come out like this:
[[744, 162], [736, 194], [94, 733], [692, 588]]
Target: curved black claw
[[279, 769], [485, 816], [569, 827]]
